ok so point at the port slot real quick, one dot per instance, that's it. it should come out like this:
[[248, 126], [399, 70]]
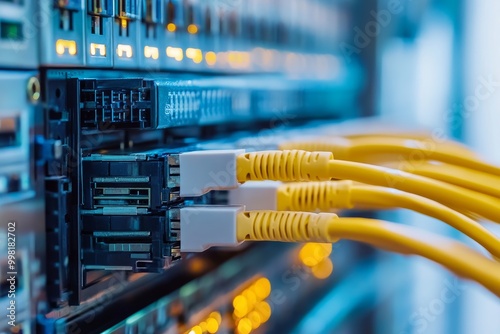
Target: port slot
[[233, 25], [152, 11], [123, 30], [171, 13], [151, 17], [105, 196], [127, 9], [10, 132], [100, 7], [119, 103], [191, 25], [68, 4], [249, 28], [66, 20], [12, 31], [208, 21], [137, 243], [97, 25]]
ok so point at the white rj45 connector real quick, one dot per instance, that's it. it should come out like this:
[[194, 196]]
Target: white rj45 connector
[[203, 227], [256, 195], [203, 171]]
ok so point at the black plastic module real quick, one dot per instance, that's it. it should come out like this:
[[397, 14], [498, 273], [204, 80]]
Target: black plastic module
[[127, 221], [117, 103], [138, 243], [110, 197], [138, 182]]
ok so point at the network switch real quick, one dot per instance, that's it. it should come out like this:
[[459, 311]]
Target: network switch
[[90, 188], [127, 218], [92, 173]]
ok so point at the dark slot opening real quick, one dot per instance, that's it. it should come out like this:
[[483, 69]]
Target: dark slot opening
[[66, 20], [170, 12], [97, 25], [208, 22]]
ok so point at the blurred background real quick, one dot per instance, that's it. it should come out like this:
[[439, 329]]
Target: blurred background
[[429, 65], [435, 68]]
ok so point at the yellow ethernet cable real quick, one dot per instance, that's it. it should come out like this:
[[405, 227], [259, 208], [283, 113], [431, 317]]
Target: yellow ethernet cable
[[424, 140], [464, 177], [207, 226], [327, 227], [372, 195], [294, 165], [340, 195], [364, 149]]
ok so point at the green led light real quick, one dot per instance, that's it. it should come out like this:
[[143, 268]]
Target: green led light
[[11, 30]]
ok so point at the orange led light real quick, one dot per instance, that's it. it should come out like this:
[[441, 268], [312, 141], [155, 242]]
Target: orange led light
[[240, 305], [262, 288], [195, 55], [94, 47], [255, 319], [192, 29], [124, 50], [238, 59], [313, 253], [212, 325], [250, 296], [171, 27], [323, 269], [244, 326], [217, 316], [63, 45], [196, 330], [210, 58], [264, 309], [151, 52], [175, 53]]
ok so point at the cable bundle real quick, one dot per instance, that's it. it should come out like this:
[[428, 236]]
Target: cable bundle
[[448, 183]]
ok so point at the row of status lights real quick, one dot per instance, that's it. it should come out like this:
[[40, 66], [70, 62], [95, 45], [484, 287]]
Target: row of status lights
[[250, 311], [209, 325], [250, 308], [235, 59]]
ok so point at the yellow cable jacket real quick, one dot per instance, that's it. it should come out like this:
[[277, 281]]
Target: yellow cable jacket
[[315, 196], [467, 178], [441, 192], [371, 195], [331, 195], [327, 227], [411, 150], [284, 226], [449, 146], [319, 166], [284, 166], [405, 239]]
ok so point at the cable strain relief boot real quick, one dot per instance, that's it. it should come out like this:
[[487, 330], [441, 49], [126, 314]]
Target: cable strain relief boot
[[339, 146], [315, 196], [285, 226], [287, 166]]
